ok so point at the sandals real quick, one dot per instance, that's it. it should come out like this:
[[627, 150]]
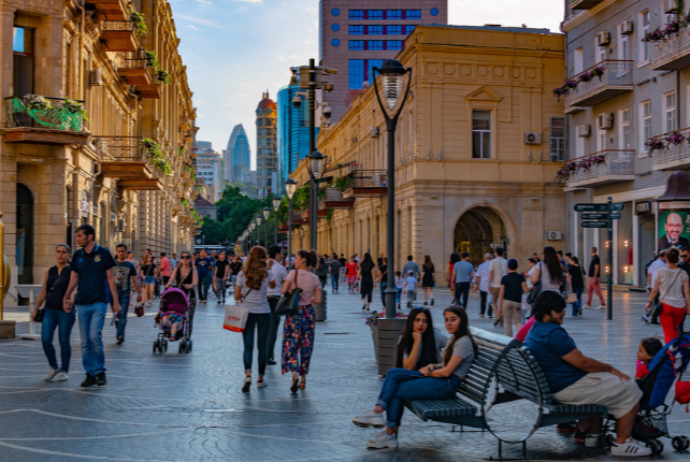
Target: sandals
[[302, 384], [295, 385]]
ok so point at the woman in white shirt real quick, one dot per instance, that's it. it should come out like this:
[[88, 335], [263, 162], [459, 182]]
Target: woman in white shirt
[[252, 284], [674, 289], [549, 272]]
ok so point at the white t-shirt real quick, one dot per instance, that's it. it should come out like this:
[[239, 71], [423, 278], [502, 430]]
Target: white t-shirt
[[279, 275], [654, 268], [255, 301], [483, 274], [670, 292], [499, 266]]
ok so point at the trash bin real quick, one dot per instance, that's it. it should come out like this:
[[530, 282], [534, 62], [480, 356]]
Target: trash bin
[[320, 308]]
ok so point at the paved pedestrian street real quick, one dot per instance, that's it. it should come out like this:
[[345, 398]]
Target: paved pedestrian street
[[189, 407]]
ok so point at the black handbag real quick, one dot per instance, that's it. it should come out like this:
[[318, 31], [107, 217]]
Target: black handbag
[[39, 315], [289, 304]]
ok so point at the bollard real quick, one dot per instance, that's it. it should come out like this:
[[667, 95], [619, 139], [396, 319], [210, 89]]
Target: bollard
[[320, 308]]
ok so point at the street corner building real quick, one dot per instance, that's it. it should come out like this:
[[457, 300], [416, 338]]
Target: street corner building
[[97, 127], [477, 149]]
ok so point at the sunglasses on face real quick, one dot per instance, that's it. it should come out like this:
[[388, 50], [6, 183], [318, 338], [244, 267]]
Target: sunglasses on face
[[684, 256], [185, 258]]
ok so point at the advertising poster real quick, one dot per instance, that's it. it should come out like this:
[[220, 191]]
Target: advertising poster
[[674, 229]]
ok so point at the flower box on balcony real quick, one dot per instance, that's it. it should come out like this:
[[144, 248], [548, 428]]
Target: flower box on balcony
[[34, 119]]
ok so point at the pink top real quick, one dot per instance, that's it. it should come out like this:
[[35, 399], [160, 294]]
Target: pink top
[[166, 267], [524, 330], [308, 282]]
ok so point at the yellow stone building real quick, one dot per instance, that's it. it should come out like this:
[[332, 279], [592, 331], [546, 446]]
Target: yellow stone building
[[106, 137], [478, 146]]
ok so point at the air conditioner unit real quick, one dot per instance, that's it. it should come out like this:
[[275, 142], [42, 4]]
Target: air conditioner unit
[[554, 235], [584, 131], [605, 121], [532, 138], [603, 38], [375, 132], [95, 78], [643, 208], [627, 27]]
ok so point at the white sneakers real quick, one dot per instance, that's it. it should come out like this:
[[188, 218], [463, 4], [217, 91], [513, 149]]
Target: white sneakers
[[62, 376], [261, 384], [246, 384], [51, 374], [383, 440], [369, 419], [631, 448]]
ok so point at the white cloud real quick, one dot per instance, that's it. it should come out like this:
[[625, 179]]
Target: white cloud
[[192, 27], [199, 21], [205, 2], [251, 1]]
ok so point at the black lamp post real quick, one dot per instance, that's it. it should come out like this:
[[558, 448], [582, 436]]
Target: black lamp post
[[290, 188], [315, 165], [393, 73], [276, 206], [259, 219], [267, 213]]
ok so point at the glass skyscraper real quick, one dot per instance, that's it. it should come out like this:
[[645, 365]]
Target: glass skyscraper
[[237, 155]]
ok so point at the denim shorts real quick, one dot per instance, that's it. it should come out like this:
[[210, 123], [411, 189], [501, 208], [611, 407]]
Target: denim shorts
[[150, 280]]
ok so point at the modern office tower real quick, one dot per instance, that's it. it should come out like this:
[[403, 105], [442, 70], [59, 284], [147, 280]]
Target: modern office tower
[[237, 155], [266, 114], [209, 168], [358, 35], [292, 127]]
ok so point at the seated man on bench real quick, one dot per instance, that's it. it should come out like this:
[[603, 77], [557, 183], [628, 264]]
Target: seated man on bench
[[575, 379]]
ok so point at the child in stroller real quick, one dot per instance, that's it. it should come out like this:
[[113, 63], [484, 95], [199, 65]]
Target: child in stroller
[[172, 320]]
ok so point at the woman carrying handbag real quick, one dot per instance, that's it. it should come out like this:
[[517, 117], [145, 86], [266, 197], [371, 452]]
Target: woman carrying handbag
[[674, 286], [298, 334]]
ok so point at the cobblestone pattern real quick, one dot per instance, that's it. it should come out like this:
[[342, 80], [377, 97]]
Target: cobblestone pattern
[[175, 407]]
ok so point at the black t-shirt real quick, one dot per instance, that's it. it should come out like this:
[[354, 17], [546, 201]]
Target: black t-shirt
[[92, 280], [220, 268], [123, 272], [576, 277], [236, 267], [595, 261], [149, 270], [342, 261], [513, 287], [57, 286], [383, 268]]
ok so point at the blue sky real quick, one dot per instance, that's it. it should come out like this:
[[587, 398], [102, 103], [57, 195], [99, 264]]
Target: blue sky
[[236, 49]]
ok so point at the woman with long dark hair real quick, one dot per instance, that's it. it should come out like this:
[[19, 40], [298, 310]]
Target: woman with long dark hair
[[366, 280], [185, 278], [419, 344], [576, 282], [298, 332], [454, 258], [434, 381], [149, 271], [428, 278], [549, 272]]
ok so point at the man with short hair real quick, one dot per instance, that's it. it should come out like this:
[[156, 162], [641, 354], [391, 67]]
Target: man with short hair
[[575, 379], [594, 281], [125, 275], [173, 260], [92, 274], [275, 257], [204, 267], [463, 273], [411, 266], [166, 269], [653, 269], [334, 268], [482, 284], [497, 269], [673, 236]]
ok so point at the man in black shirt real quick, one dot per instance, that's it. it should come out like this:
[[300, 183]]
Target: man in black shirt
[[92, 274], [125, 275], [342, 261], [594, 280]]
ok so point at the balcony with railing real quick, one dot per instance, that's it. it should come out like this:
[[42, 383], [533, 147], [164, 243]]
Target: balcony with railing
[[135, 71], [601, 168], [615, 80], [34, 119], [670, 151], [367, 183], [119, 35], [152, 90], [112, 9], [125, 158], [673, 54], [332, 198], [584, 4]]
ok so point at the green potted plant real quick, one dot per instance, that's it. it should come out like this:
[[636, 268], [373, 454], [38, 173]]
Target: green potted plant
[[138, 20], [164, 77]]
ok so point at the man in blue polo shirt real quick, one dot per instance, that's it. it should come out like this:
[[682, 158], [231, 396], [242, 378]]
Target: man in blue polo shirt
[[92, 276], [575, 379], [204, 267]]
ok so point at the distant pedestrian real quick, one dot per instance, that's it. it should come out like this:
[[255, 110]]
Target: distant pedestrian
[[186, 278], [463, 273], [275, 266], [173, 260], [322, 271], [482, 281], [365, 277], [343, 271], [125, 275], [497, 269], [148, 273], [220, 277], [652, 315], [204, 266], [550, 272], [410, 287], [410, 265], [166, 269], [399, 286], [576, 283], [454, 258], [428, 279], [298, 333], [383, 279], [351, 270], [594, 281], [510, 298], [56, 314], [92, 276], [235, 268], [335, 269]]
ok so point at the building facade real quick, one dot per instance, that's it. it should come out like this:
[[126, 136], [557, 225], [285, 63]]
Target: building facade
[[93, 129], [470, 174], [209, 166], [357, 35], [266, 163], [627, 91], [237, 155]]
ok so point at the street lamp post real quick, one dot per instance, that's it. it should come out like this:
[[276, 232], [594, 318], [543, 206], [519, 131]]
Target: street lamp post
[[315, 166], [267, 213], [276, 206], [392, 72], [259, 219], [290, 188]]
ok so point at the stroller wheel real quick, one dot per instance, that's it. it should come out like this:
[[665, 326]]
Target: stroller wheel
[[656, 446], [181, 348], [165, 346], [680, 443], [155, 346]]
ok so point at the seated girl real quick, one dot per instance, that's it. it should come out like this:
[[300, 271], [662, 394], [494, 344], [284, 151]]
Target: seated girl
[[433, 381], [648, 348], [419, 344]]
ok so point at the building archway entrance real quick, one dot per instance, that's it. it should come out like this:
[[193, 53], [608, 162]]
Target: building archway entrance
[[478, 231], [24, 256]]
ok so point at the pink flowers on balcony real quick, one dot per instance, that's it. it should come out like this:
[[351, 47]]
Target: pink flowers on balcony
[[666, 140], [674, 138], [670, 30], [575, 166], [584, 77]]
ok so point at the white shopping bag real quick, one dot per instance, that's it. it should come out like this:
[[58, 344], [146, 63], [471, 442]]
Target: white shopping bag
[[235, 318]]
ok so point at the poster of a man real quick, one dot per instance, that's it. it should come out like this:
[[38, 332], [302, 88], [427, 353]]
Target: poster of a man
[[673, 233]]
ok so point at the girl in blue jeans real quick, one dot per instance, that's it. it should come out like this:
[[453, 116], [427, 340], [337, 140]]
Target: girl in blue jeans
[[434, 381]]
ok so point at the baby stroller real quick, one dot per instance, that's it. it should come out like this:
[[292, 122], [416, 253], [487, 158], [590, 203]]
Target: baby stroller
[[665, 369], [175, 305]]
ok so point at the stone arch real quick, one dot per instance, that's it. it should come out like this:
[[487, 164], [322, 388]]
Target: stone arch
[[480, 226]]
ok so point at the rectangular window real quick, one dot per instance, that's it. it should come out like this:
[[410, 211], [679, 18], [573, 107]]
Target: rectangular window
[[624, 48], [356, 14], [23, 51], [374, 30], [557, 138], [394, 14], [394, 30], [409, 29], [356, 30], [646, 128], [356, 74], [670, 111], [413, 14], [481, 134], [356, 44], [375, 14], [644, 47], [395, 45], [625, 136], [375, 45]]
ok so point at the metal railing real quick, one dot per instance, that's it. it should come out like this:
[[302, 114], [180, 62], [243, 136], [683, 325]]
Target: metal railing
[[121, 26], [33, 111], [370, 179], [673, 47], [616, 162], [672, 153], [616, 73], [133, 63], [120, 148]]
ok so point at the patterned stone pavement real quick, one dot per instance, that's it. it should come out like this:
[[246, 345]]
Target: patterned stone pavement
[[175, 407]]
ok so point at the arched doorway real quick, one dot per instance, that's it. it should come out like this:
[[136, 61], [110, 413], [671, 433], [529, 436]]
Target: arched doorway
[[478, 230], [24, 255]]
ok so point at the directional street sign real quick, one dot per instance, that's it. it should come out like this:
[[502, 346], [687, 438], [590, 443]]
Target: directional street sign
[[615, 207], [600, 216], [594, 224]]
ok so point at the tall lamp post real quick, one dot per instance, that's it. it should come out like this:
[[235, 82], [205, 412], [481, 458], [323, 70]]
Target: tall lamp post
[[290, 188], [315, 165], [276, 206], [393, 73], [267, 213], [259, 219], [252, 242]]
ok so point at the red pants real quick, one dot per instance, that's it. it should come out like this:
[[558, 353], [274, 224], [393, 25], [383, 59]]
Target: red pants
[[594, 287], [670, 318]]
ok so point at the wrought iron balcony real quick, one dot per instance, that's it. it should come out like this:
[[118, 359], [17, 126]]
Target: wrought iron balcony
[[135, 71], [672, 54], [672, 156], [119, 35], [584, 4], [616, 80], [124, 158], [367, 183], [36, 119], [617, 166], [333, 199]]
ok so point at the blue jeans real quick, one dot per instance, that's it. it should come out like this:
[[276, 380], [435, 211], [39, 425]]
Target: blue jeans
[[403, 384], [462, 293], [334, 281], [398, 295], [123, 298], [578, 305], [64, 322], [384, 286], [263, 325], [204, 284], [91, 320]]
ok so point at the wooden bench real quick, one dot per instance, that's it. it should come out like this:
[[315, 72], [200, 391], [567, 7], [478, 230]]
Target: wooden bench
[[503, 371]]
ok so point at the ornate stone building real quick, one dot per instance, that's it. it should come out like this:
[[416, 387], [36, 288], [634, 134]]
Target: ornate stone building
[[106, 137], [477, 151], [266, 176]]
